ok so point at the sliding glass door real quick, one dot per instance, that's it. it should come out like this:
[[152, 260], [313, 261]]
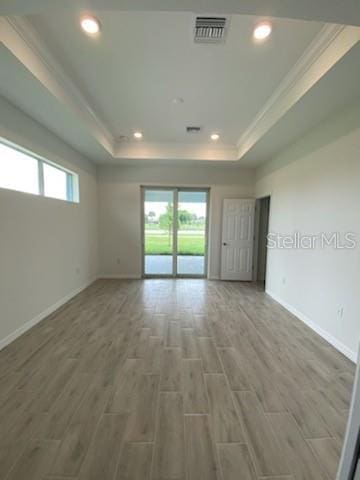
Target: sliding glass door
[[191, 232], [174, 231], [159, 232]]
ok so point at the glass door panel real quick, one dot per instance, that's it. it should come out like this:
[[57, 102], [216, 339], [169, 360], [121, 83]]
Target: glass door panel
[[191, 232], [159, 232]]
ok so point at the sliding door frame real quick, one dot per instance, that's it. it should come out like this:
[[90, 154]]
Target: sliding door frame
[[160, 275], [206, 190], [175, 191]]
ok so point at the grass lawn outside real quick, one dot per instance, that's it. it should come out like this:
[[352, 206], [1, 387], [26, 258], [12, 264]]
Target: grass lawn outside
[[187, 245], [191, 226]]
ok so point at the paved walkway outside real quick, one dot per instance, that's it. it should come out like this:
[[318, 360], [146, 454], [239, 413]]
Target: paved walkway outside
[[162, 264]]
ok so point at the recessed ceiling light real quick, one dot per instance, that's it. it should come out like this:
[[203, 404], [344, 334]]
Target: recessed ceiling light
[[138, 134], [262, 30], [215, 136], [90, 25]]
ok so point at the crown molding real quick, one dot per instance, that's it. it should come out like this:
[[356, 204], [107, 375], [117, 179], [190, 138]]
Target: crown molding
[[176, 151], [22, 40], [328, 47]]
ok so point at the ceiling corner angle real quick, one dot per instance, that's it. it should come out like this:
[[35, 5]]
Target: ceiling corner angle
[[327, 48], [22, 40]]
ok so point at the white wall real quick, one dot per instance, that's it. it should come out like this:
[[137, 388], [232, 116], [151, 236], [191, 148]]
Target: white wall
[[315, 187], [120, 209], [48, 248]]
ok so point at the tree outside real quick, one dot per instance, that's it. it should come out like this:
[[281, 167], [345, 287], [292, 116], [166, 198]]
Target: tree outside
[[158, 232], [166, 221]]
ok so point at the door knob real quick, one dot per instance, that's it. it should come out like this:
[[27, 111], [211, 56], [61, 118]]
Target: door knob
[[224, 243]]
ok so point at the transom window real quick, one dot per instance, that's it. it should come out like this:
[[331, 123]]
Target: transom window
[[24, 172]]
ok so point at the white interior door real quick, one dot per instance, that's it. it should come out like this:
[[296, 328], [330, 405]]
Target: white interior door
[[237, 239]]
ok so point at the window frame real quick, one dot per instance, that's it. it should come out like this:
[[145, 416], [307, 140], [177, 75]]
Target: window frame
[[72, 178]]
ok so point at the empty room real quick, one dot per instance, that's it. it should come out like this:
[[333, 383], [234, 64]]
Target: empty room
[[179, 240]]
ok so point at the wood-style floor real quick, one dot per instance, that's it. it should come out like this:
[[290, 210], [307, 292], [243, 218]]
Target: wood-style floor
[[172, 380]]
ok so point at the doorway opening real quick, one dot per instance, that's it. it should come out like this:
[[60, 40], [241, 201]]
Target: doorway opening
[[261, 232], [175, 231]]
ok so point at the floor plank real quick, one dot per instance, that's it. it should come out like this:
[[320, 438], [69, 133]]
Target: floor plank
[[259, 379], [158, 325], [123, 396], [188, 343], [268, 457], [202, 326], [235, 460], [135, 462], [55, 423], [18, 429], [209, 356], [234, 369], [334, 420], [169, 459], [224, 418], [309, 422], [153, 357], [139, 343], [141, 425], [171, 371], [195, 395], [173, 335], [328, 452], [200, 453], [54, 388], [103, 455], [36, 460], [304, 464], [78, 435], [219, 332]]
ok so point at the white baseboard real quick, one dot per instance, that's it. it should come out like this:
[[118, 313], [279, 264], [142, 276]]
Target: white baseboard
[[48, 311], [314, 326], [120, 276]]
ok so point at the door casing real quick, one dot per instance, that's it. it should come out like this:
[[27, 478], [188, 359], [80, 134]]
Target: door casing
[[259, 210]]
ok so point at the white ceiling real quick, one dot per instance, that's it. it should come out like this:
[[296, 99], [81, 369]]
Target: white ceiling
[[92, 91], [142, 60]]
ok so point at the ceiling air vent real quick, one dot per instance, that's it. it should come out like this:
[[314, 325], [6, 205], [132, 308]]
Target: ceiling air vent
[[210, 29], [193, 129]]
